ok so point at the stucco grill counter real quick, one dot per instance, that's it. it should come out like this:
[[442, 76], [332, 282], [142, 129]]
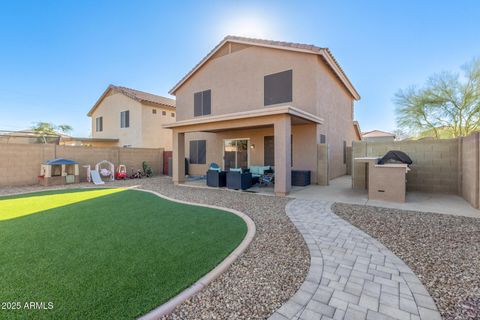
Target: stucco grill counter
[[386, 182]]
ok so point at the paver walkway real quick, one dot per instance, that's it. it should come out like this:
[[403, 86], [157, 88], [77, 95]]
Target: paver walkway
[[352, 275]]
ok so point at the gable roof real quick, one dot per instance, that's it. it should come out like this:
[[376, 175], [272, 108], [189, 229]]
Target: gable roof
[[298, 47], [358, 131], [377, 133], [140, 96]]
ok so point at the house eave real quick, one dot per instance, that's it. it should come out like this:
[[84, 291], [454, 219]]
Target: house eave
[[293, 111]]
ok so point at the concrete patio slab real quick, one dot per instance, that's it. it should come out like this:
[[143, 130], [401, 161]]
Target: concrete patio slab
[[340, 190]]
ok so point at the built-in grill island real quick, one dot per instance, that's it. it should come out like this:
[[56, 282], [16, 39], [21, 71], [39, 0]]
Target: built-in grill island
[[386, 176]]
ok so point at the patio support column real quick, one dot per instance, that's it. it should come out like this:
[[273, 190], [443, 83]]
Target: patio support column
[[178, 157], [282, 132]]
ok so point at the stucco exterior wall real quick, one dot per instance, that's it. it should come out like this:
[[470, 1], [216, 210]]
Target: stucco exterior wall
[[154, 136], [236, 81], [110, 109], [335, 105], [304, 147], [145, 130]]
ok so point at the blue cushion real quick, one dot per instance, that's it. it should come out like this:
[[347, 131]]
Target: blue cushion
[[215, 169], [259, 170], [236, 170]]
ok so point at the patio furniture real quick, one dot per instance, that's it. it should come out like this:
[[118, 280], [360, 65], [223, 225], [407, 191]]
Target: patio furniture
[[216, 177], [300, 178], [267, 179], [238, 179], [258, 172]]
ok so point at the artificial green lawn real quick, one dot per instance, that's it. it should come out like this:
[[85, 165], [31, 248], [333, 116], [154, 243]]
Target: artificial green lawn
[[106, 253]]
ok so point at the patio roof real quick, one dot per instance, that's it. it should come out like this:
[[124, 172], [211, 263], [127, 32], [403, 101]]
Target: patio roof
[[300, 116]]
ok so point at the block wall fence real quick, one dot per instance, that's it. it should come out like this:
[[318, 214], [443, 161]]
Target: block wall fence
[[20, 163], [441, 166]]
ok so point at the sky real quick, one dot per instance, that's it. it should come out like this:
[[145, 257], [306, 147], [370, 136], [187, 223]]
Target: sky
[[57, 58]]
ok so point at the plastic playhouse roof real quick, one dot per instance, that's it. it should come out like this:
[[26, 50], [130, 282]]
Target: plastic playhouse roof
[[60, 161]]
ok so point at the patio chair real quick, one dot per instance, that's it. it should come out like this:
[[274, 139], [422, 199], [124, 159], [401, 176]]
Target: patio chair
[[267, 179], [216, 177], [238, 179]]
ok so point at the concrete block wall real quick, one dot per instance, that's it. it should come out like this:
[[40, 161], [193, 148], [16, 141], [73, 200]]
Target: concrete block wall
[[443, 166], [435, 163], [470, 169], [359, 170], [20, 163]]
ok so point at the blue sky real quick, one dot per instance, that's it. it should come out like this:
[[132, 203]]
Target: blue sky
[[56, 58]]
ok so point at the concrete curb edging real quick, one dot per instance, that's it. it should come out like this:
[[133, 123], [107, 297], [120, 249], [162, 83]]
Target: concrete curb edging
[[171, 304]]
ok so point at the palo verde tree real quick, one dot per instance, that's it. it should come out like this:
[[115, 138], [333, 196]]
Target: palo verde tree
[[46, 129], [448, 106]]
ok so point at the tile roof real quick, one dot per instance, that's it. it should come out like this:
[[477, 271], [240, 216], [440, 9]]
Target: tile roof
[[377, 133], [144, 96], [279, 44], [137, 95]]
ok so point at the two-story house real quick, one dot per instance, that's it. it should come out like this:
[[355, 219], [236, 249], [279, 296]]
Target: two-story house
[[133, 118], [260, 102]]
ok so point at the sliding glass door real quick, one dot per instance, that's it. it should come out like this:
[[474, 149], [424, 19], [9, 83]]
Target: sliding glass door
[[235, 153]]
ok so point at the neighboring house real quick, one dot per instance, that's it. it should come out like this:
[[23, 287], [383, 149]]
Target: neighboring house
[[377, 136], [261, 102], [134, 118]]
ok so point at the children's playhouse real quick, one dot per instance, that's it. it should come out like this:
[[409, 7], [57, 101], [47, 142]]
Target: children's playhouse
[[59, 172]]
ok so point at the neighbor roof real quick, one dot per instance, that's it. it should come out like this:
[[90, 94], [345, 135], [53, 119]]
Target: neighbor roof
[[299, 47], [140, 96], [377, 133]]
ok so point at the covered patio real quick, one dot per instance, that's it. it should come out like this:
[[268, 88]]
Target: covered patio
[[284, 124]]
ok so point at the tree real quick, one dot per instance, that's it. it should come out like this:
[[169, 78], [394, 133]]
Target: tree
[[447, 106], [45, 129]]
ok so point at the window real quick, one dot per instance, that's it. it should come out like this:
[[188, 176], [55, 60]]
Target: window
[[202, 103], [277, 88], [99, 124], [198, 151], [172, 114], [154, 111], [164, 113], [125, 119], [269, 151], [323, 139], [344, 152]]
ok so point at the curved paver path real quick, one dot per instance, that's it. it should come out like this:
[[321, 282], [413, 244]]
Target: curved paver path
[[352, 275]]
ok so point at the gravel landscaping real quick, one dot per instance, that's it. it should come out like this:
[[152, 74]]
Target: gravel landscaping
[[264, 277], [443, 251]]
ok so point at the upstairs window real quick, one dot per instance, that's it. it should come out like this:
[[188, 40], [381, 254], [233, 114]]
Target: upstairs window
[[164, 113], [323, 139], [125, 119], [277, 88], [154, 111], [198, 151], [202, 103], [172, 114], [99, 124]]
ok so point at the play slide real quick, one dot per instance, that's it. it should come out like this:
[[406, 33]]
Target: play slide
[[96, 177]]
